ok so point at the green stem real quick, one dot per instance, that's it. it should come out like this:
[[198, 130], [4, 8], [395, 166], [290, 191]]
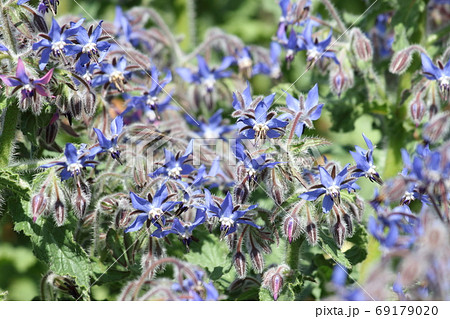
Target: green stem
[[6, 28], [8, 133], [293, 252]]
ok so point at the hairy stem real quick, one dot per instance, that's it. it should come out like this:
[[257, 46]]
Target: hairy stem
[[6, 29], [8, 132], [293, 252], [335, 15]]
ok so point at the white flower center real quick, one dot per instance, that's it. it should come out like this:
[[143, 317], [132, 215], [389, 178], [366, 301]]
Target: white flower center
[[155, 213], [371, 171], [75, 168], [210, 133], [313, 54], [226, 222], [251, 172], [175, 172], [209, 83], [89, 48], [409, 197], [57, 47], [28, 87], [333, 191], [152, 101], [87, 76], [116, 76], [245, 63], [261, 127]]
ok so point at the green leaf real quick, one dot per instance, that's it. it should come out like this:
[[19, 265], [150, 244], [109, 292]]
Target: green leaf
[[332, 250], [213, 255], [358, 252], [14, 183], [54, 245], [400, 40], [3, 295]]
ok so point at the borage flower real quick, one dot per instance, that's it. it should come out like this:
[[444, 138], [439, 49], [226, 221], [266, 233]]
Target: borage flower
[[197, 290], [331, 186], [175, 166], [113, 75], [109, 144], [55, 42], [74, 162], [364, 162], [439, 73], [213, 128], [206, 76], [314, 49], [271, 68], [28, 86], [302, 112], [228, 214], [89, 45], [259, 123], [152, 209]]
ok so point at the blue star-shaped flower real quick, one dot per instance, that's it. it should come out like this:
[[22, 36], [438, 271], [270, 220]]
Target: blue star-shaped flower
[[331, 187], [197, 290], [153, 211], [109, 144], [113, 75], [364, 162], [271, 68], [175, 166], [439, 73], [74, 162], [213, 128], [206, 76]]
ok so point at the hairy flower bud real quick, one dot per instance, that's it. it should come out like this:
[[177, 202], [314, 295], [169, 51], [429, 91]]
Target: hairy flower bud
[[39, 23], [291, 227], [38, 205], [362, 46], [89, 104], [401, 61], [273, 280], [75, 106], [80, 205], [277, 194], [340, 81], [240, 264], [311, 232], [339, 233], [257, 259], [50, 132], [348, 223], [437, 127], [60, 212], [241, 193], [417, 109]]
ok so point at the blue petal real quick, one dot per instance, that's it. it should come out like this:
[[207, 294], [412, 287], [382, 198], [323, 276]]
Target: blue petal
[[139, 203], [431, 71], [327, 204], [312, 195], [138, 223]]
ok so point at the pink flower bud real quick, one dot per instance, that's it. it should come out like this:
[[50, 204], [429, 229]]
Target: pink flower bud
[[38, 205], [417, 109], [273, 280], [362, 46], [401, 61], [291, 227]]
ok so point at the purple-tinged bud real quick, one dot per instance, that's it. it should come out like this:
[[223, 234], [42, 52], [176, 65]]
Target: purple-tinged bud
[[273, 280], [437, 127], [257, 259], [339, 233], [291, 227], [38, 205], [108, 204], [311, 233], [417, 109], [60, 212], [50, 132], [340, 81], [362, 46], [401, 61], [240, 264]]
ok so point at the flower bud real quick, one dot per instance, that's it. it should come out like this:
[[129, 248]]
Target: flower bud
[[240, 264], [241, 193], [89, 104], [277, 194], [338, 231], [291, 227], [348, 223], [273, 279], [437, 127], [80, 205], [311, 232], [38, 205], [401, 61], [60, 212], [257, 259], [75, 106], [417, 109], [50, 132], [339, 81], [39, 23], [362, 46]]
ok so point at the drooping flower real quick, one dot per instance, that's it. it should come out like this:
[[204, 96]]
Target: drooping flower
[[314, 49], [206, 76], [182, 229], [196, 290], [302, 112], [75, 161], [175, 166], [150, 102], [113, 75], [152, 209], [109, 144], [272, 67], [331, 186], [364, 162], [439, 73], [228, 214]]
